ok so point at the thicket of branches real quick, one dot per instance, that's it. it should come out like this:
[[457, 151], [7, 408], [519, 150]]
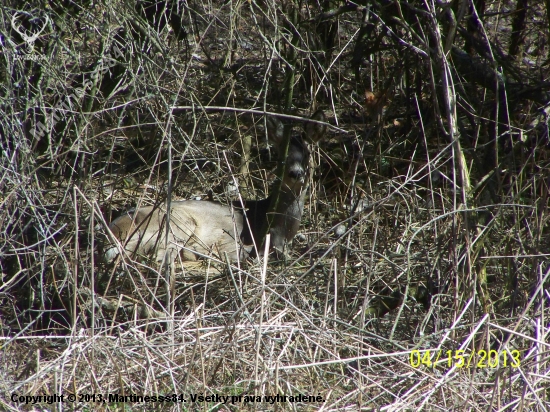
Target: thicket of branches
[[426, 227]]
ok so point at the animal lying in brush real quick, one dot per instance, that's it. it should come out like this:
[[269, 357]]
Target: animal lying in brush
[[205, 228]]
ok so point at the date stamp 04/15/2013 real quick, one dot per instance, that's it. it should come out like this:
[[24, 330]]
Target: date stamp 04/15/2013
[[461, 358]]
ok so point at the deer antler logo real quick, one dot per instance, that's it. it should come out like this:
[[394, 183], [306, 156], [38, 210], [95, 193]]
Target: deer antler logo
[[29, 39]]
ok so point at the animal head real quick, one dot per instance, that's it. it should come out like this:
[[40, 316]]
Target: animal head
[[297, 158]]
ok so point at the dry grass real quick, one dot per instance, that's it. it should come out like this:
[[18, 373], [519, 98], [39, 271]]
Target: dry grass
[[425, 233]]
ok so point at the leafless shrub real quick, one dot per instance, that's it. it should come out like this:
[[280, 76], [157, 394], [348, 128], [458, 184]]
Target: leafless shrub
[[426, 234]]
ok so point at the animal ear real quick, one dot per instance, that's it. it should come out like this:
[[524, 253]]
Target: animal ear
[[275, 130], [316, 131]]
